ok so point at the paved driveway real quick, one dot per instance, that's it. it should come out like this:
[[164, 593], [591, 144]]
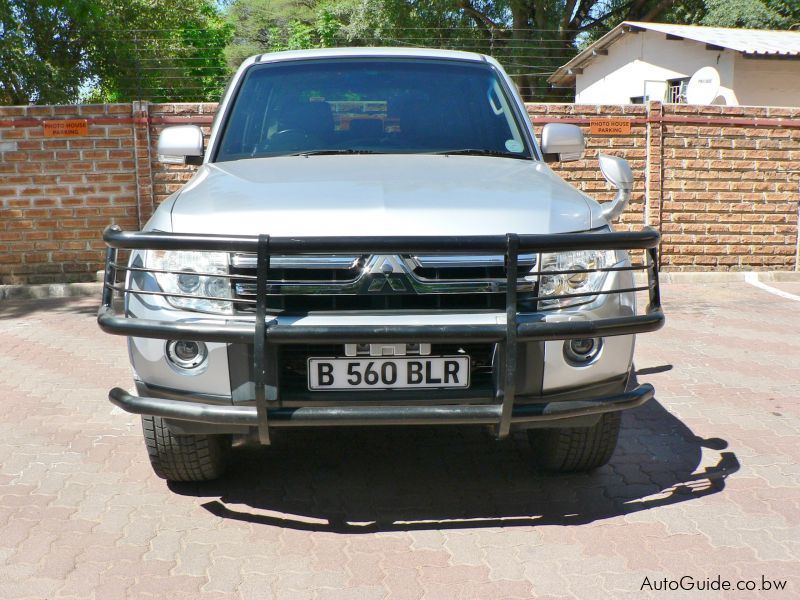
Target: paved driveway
[[705, 482]]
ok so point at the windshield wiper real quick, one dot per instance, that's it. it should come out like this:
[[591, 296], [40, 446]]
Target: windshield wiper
[[482, 152], [332, 151]]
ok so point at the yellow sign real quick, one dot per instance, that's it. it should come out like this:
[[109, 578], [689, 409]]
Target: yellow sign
[[66, 128], [609, 126]]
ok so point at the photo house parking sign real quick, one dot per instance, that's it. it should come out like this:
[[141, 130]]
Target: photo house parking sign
[[66, 128]]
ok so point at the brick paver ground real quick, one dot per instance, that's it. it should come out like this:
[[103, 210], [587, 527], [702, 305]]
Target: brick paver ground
[[705, 482], [792, 287]]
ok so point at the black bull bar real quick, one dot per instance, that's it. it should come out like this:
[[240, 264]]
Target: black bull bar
[[266, 334]]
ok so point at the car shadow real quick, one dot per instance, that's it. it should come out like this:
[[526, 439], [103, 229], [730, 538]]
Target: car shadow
[[363, 480]]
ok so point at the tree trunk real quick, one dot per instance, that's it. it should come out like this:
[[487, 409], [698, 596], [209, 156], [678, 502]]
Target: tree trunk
[[521, 44]]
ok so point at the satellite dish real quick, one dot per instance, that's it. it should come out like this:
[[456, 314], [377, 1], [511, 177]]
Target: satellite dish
[[703, 86]]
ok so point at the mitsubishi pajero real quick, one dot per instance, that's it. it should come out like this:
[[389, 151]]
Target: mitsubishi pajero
[[374, 238]]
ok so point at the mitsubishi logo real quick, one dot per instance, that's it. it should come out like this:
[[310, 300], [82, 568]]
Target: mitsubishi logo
[[386, 272]]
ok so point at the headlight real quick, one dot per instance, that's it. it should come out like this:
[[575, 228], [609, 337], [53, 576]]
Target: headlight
[[584, 280], [194, 278]]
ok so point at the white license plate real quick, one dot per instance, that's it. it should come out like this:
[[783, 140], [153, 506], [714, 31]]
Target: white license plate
[[398, 372]]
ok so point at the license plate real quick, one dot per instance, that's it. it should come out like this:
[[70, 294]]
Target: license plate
[[400, 372]]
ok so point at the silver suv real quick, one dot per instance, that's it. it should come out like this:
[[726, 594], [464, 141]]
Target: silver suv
[[373, 238]]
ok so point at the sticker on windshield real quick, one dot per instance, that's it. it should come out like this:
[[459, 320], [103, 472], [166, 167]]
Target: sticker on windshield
[[514, 146]]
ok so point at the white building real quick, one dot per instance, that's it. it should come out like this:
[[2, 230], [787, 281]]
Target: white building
[[637, 61]]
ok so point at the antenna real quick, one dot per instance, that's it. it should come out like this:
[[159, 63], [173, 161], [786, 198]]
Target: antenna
[[703, 86]]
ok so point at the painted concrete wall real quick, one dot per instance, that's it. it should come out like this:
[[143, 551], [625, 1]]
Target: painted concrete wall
[[649, 56], [767, 82]]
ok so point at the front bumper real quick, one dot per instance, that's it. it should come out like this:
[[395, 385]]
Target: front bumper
[[266, 334], [312, 416]]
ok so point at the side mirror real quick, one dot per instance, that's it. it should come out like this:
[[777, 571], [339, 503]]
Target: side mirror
[[562, 142], [618, 173], [182, 144]]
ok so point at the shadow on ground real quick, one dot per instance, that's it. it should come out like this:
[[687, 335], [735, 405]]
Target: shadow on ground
[[20, 308], [368, 480]]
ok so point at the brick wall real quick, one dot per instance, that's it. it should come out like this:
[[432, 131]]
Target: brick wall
[[169, 178], [730, 189], [57, 194], [721, 183], [585, 174]]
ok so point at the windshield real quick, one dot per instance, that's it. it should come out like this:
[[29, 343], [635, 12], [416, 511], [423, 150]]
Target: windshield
[[370, 105]]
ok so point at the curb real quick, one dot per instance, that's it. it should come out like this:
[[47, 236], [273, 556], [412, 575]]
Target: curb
[[50, 290], [726, 277]]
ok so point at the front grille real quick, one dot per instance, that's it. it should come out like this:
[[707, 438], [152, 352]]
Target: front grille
[[303, 284], [457, 267]]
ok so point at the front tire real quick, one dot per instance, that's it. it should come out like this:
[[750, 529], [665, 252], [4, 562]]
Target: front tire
[[576, 449], [184, 457]]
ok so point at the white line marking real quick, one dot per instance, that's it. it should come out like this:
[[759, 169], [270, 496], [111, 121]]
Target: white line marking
[[752, 279]]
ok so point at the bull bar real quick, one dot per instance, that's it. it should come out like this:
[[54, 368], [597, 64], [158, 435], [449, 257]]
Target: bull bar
[[266, 334]]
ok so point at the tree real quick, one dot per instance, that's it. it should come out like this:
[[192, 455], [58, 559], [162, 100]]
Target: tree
[[754, 14], [555, 29], [56, 51], [41, 51], [273, 25], [531, 38], [749, 14], [269, 26]]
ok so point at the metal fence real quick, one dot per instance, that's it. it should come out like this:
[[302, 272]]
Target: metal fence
[[529, 56], [164, 67]]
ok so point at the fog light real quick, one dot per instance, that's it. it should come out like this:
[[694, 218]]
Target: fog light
[[582, 351], [186, 355]]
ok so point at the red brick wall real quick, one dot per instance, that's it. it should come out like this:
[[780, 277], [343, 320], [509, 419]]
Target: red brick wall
[[721, 183], [730, 189], [585, 174], [57, 194], [169, 178]]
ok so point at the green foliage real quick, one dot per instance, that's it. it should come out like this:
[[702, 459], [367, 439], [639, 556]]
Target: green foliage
[[357, 21], [530, 37], [201, 56], [275, 25], [299, 36], [41, 56], [54, 51], [327, 27], [170, 50], [58, 51], [754, 14], [686, 12]]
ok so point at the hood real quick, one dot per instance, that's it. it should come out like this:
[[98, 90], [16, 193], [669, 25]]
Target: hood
[[347, 195]]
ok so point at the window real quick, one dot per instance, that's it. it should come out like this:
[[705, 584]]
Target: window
[[676, 92], [370, 105]]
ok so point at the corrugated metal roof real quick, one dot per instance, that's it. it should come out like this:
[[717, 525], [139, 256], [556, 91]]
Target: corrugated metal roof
[[749, 41], [763, 42]]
